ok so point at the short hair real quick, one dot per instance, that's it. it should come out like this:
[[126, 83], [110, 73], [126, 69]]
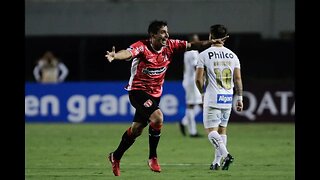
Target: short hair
[[155, 25], [218, 31], [191, 37]]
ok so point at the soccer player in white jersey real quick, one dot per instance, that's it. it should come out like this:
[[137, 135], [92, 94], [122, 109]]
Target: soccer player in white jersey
[[192, 94], [220, 68], [150, 60]]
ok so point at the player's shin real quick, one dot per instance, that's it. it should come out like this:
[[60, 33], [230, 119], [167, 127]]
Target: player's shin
[[154, 137], [216, 140], [126, 141]]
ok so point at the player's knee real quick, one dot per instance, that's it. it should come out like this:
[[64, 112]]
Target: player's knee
[[222, 130], [136, 130], [156, 126], [157, 117]]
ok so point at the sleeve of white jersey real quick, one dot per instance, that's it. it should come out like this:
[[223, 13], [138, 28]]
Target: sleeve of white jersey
[[237, 62], [64, 71], [36, 71], [200, 63]]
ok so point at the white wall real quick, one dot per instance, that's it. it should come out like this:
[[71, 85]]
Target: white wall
[[112, 17]]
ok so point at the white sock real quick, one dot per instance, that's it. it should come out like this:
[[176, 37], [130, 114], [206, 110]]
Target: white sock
[[224, 139], [216, 140], [192, 127], [217, 155], [197, 109], [185, 118]]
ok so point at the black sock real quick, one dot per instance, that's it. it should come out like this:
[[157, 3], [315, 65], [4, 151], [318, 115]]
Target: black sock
[[124, 145], [154, 137]]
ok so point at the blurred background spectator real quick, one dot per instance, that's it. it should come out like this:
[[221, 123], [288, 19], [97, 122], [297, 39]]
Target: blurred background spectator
[[50, 69]]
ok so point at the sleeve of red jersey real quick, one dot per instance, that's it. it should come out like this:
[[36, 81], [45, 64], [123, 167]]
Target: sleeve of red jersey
[[178, 45], [136, 48]]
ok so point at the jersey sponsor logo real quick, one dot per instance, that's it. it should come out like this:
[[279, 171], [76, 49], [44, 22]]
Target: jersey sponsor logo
[[220, 55], [148, 103], [224, 98], [154, 71]]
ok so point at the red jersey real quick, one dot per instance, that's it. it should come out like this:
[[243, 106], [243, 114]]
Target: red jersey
[[148, 66]]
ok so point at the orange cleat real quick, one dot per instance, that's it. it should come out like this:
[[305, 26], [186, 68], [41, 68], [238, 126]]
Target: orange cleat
[[115, 165], [154, 165]]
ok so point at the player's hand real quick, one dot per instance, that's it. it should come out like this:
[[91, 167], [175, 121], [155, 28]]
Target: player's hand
[[219, 41], [110, 55], [239, 106]]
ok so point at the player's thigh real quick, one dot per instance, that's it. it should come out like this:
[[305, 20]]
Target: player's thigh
[[225, 116], [144, 104], [211, 117]]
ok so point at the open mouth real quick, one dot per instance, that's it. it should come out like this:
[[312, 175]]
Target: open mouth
[[163, 41]]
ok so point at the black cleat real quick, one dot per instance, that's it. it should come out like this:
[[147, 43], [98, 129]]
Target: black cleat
[[214, 167], [196, 135], [226, 162], [182, 129]]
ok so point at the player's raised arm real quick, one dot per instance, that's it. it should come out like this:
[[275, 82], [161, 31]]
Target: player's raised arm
[[120, 55], [199, 45]]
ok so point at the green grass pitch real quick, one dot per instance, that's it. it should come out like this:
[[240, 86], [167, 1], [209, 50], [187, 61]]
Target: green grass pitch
[[262, 151]]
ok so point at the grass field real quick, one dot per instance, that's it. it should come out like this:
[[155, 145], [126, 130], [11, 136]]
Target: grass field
[[262, 151]]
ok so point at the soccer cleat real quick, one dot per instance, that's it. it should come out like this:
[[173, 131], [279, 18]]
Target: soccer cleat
[[153, 164], [196, 135], [214, 167], [115, 165], [182, 129], [226, 162]]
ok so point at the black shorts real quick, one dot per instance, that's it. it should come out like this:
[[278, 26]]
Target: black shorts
[[145, 105]]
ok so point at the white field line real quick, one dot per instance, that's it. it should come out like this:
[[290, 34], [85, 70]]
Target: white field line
[[167, 164], [162, 164]]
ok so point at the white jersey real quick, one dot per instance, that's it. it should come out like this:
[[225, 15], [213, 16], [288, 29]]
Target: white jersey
[[219, 63], [193, 95]]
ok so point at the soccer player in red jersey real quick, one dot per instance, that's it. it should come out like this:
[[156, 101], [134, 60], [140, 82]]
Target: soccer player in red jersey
[[150, 60]]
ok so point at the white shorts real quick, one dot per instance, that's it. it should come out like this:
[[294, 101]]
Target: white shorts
[[214, 117], [193, 95]]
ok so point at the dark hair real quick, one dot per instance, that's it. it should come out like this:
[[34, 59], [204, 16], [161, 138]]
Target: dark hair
[[218, 31], [155, 25], [191, 37]]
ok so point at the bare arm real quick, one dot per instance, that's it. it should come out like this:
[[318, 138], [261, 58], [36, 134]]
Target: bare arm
[[198, 45], [120, 55], [238, 88], [200, 79]]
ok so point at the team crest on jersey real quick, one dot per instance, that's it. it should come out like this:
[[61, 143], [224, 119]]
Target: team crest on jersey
[[165, 57], [148, 103]]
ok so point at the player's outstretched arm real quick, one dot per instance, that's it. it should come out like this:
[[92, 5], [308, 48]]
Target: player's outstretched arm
[[120, 55], [199, 45]]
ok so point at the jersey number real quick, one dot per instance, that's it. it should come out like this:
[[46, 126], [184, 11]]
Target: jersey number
[[223, 78]]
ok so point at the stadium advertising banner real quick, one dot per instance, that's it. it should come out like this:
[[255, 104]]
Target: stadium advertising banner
[[77, 102]]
